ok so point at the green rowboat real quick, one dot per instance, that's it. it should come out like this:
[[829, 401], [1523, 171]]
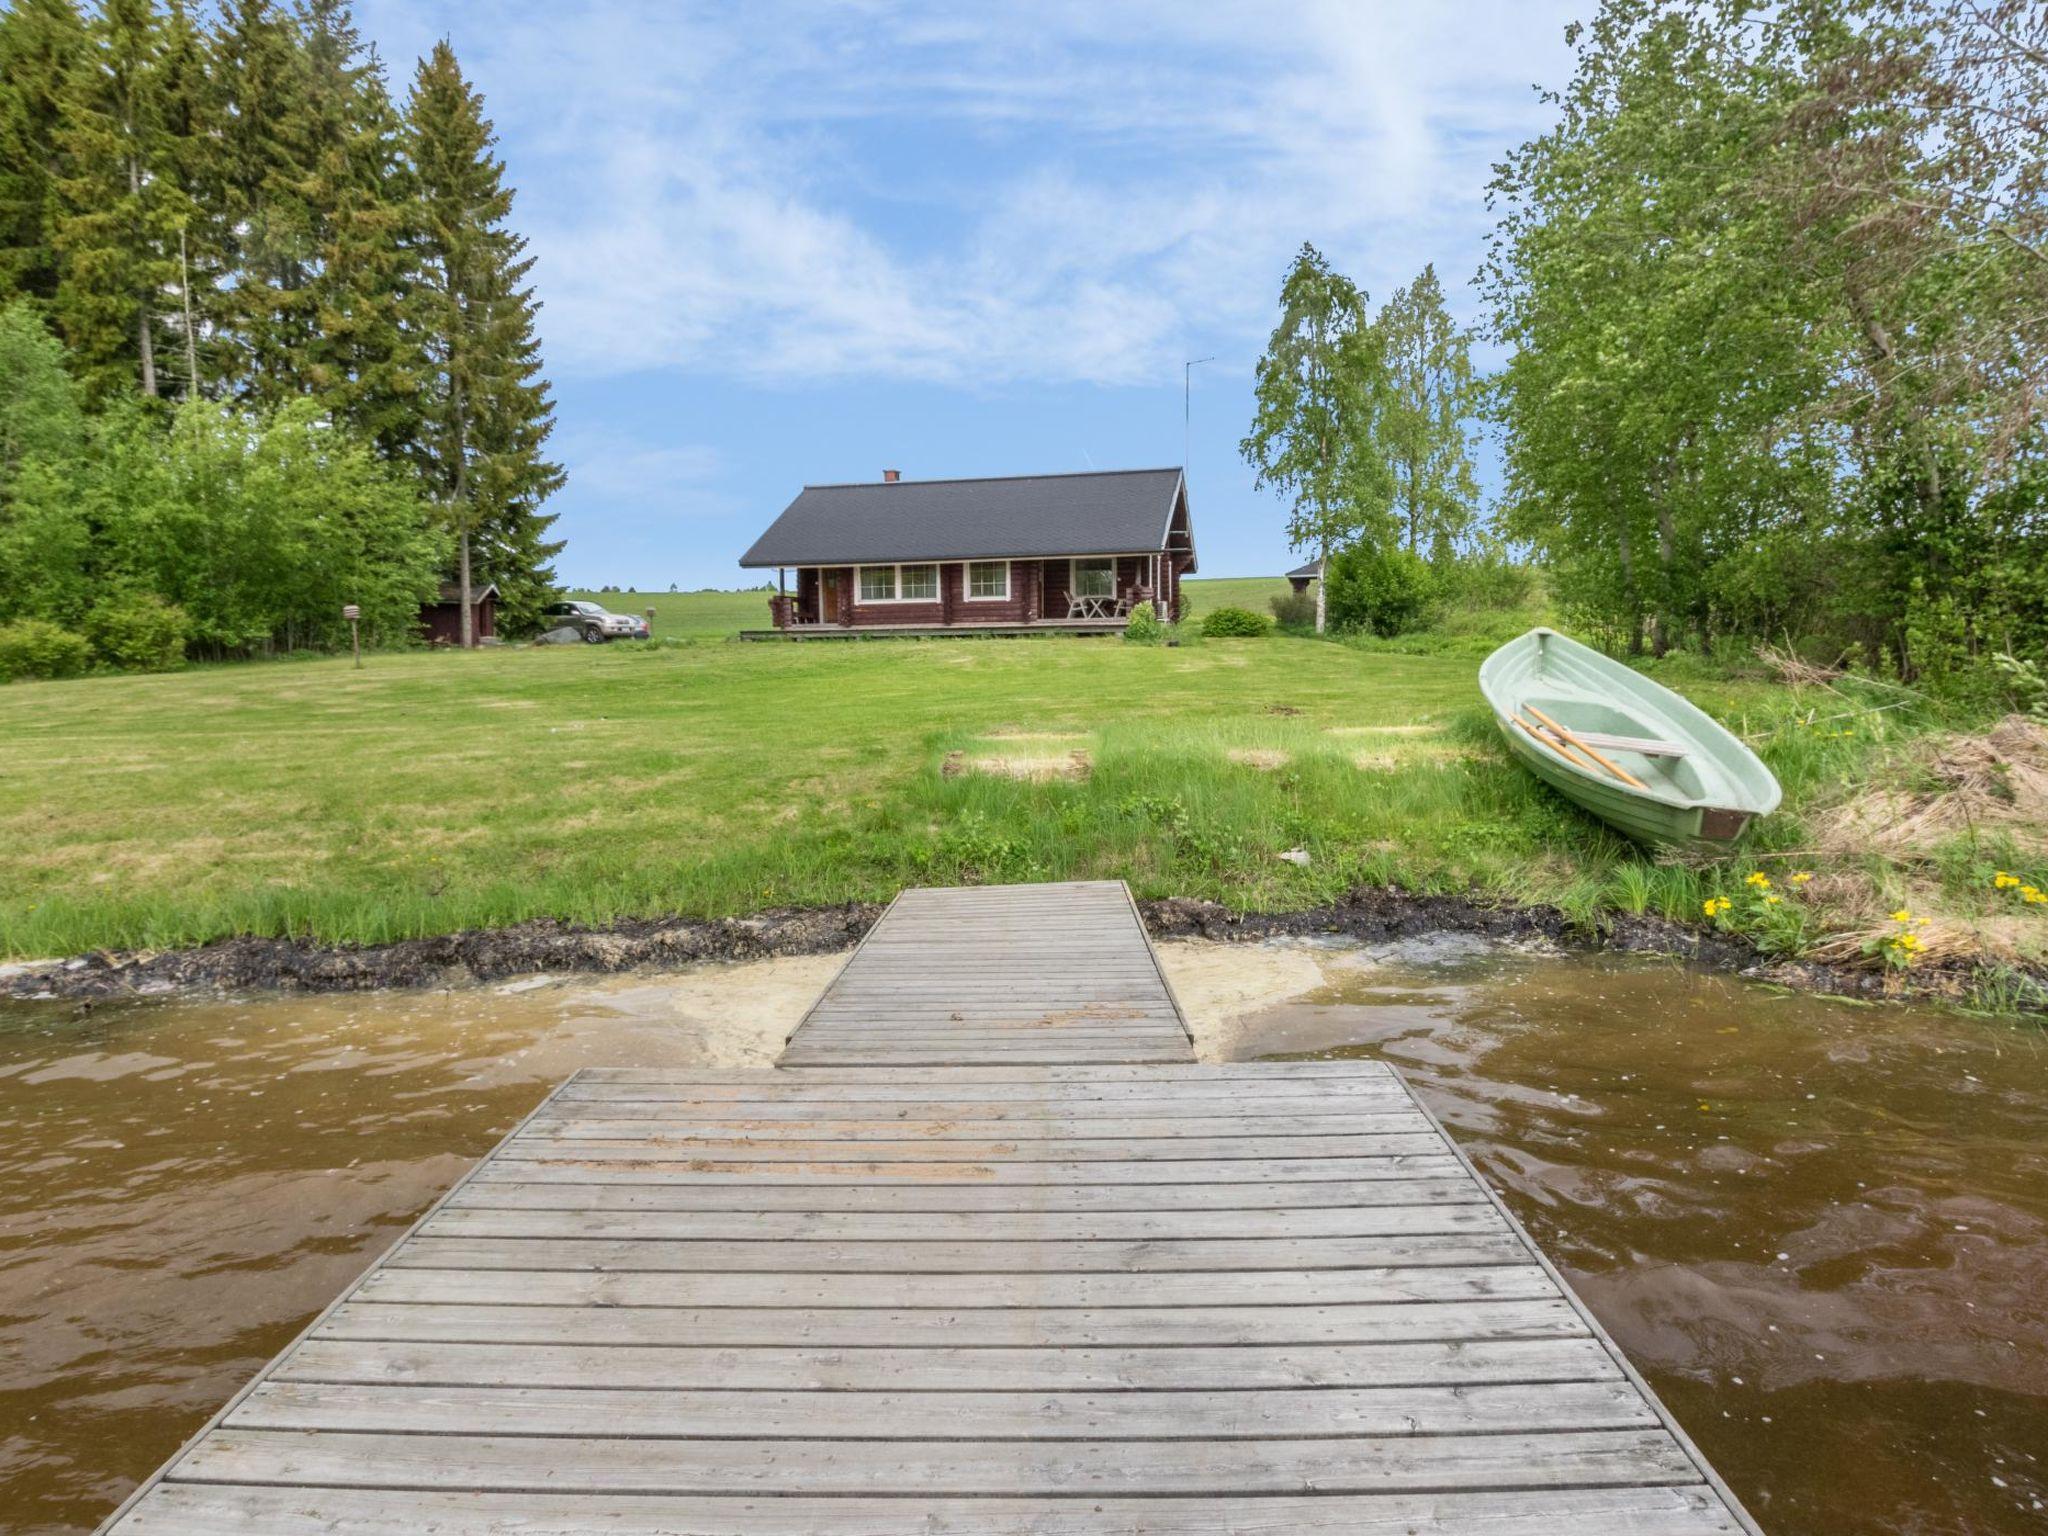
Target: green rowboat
[[1568, 712]]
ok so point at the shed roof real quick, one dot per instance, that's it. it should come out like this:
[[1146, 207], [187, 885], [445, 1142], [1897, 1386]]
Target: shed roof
[[1312, 570], [451, 592], [1104, 512]]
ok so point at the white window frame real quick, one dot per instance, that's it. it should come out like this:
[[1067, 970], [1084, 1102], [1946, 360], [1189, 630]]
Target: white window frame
[[967, 592], [896, 582], [1074, 564]]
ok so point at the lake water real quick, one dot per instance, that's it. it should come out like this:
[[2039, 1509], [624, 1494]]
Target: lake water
[[1820, 1229]]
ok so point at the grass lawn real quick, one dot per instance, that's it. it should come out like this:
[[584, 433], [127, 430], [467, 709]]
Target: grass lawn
[[431, 792]]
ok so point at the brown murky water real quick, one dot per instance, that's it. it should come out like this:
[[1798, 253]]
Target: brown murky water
[[1821, 1229]]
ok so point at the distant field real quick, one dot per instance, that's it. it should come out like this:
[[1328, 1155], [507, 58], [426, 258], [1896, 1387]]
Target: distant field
[[714, 615], [708, 615]]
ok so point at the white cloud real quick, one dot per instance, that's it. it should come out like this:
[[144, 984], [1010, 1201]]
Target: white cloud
[[1043, 193]]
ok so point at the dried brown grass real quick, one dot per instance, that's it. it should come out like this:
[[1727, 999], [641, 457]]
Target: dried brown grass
[[1995, 783], [1037, 769], [1264, 759]]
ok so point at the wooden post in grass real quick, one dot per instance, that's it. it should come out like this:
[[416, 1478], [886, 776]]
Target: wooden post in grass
[[354, 614]]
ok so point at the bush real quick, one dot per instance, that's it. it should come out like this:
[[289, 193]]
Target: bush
[[1143, 626], [1483, 580], [1380, 590], [37, 648], [1295, 610], [1232, 621], [139, 632]]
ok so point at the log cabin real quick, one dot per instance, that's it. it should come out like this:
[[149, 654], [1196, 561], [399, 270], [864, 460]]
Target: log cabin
[[1006, 555]]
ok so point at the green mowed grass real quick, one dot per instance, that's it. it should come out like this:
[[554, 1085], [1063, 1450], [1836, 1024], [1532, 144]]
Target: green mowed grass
[[430, 792]]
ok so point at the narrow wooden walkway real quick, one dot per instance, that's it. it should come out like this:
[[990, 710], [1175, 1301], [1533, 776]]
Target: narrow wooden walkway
[[1041, 975], [1160, 1298]]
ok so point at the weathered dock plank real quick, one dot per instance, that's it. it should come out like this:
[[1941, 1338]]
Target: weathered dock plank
[[1015, 975], [1083, 1294]]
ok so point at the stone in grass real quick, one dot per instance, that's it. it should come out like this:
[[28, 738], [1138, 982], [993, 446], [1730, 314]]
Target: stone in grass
[[1297, 856]]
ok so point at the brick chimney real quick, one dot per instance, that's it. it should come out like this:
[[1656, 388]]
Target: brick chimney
[[891, 476]]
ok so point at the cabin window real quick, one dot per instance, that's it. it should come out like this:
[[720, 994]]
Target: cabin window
[[1095, 578], [988, 578], [920, 582], [878, 583]]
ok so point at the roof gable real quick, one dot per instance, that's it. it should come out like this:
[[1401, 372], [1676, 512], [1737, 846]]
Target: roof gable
[[1110, 512]]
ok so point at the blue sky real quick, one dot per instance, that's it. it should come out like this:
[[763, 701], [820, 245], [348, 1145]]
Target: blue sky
[[781, 243]]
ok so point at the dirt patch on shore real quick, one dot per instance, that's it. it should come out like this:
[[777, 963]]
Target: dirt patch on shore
[[1369, 914], [524, 949]]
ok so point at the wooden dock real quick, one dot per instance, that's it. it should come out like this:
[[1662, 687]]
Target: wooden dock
[[876, 1291]]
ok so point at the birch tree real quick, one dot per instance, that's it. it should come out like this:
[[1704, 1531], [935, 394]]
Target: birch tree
[[1320, 390]]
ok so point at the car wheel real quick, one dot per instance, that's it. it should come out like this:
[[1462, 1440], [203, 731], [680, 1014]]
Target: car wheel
[[592, 635]]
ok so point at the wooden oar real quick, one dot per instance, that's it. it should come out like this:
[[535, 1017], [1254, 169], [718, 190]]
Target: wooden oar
[[1614, 768], [1563, 751]]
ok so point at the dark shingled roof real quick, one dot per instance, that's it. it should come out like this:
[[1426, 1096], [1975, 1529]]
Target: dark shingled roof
[[1111, 512], [1312, 569], [451, 592]]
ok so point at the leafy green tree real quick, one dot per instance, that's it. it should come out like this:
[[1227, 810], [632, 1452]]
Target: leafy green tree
[[1320, 392], [1429, 399], [44, 540], [484, 406], [40, 40]]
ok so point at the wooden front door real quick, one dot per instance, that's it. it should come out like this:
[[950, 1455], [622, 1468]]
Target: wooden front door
[[829, 603]]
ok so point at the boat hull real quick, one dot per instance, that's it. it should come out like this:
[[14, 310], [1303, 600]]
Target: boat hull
[[1706, 796]]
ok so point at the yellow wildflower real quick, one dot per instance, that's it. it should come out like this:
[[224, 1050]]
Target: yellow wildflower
[[1902, 916], [2003, 881], [1770, 901], [1759, 879], [1714, 906], [1802, 877], [2032, 896]]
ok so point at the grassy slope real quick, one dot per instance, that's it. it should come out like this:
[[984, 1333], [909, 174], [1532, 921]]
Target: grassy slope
[[430, 792]]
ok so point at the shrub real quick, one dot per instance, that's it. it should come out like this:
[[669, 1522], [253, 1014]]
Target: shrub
[[1232, 621], [1382, 590], [37, 648], [1295, 610], [1143, 626], [139, 632]]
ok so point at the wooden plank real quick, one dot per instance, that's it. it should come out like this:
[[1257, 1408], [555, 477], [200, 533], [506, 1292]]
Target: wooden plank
[[1250, 1288], [499, 1193], [577, 1142], [1153, 1256], [1067, 1468], [200, 1509], [1380, 1412], [1297, 1175], [967, 1226], [869, 1327], [1047, 1077], [787, 1368], [654, 1120]]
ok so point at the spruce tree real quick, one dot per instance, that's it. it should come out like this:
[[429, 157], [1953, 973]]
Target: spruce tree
[[361, 358], [259, 71], [121, 206], [39, 42], [188, 110], [485, 411]]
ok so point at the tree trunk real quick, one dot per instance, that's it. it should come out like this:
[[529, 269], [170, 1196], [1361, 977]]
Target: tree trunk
[[468, 615], [1628, 587], [1323, 587], [143, 342], [1662, 625]]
